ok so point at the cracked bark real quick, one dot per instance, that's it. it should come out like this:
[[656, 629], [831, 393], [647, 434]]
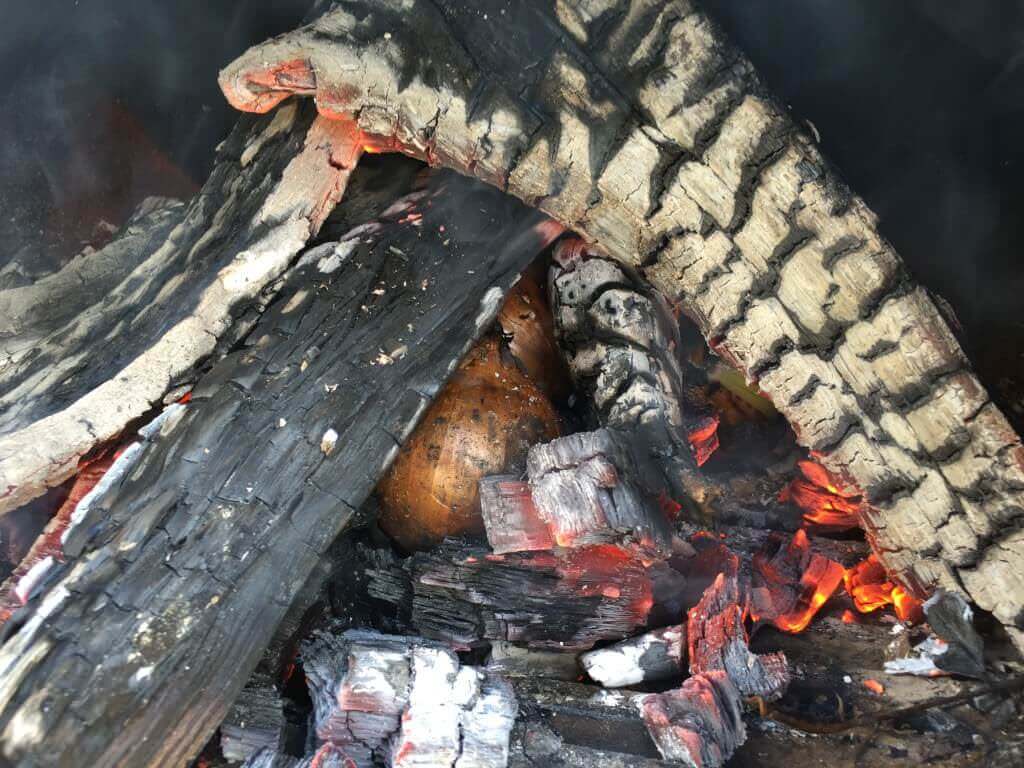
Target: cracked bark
[[176, 579], [725, 205]]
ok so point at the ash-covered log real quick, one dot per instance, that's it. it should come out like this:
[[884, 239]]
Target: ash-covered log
[[650, 657], [693, 175], [568, 600], [717, 641], [405, 701], [179, 575]]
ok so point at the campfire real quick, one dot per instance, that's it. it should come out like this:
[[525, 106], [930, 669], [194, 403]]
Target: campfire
[[538, 401]]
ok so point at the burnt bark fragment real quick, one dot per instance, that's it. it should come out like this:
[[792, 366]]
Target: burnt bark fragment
[[180, 574]]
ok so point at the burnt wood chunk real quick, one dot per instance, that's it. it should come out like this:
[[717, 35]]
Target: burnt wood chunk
[[405, 701], [718, 642], [155, 301], [656, 655], [583, 489], [567, 600], [178, 576], [637, 124], [255, 721], [700, 723], [511, 519]]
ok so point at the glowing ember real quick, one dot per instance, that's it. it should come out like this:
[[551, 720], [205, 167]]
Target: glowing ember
[[704, 440], [874, 686], [790, 583], [818, 493], [870, 587]]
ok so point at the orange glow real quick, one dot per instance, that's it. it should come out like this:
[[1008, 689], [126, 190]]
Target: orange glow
[[704, 440], [870, 587], [874, 686], [849, 617], [792, 583], [818, 494]]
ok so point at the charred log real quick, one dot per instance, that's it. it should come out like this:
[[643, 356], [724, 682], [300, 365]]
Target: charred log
[[156, 299], [178, 576], [698, 179], [656, 655]]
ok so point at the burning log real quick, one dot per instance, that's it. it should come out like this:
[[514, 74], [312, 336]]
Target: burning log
[[656, 655], [177, 278], [704, 184], [181, 573], [567, 600], [718, 641], [700, 723], [790, 583], [405, 701]]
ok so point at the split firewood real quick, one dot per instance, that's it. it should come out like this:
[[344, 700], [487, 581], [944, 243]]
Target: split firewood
[[135, 648], [656, 655], [405, 701], [159, 296], [717, 641], [695, 177]]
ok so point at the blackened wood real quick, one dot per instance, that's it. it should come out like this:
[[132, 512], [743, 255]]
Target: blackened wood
[[639, 125], [568, 600], [179, 577], [255, 721], [154, 302]]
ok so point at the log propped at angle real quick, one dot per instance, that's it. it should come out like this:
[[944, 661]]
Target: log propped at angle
[[87, 350], [176, 580], [637, 124]]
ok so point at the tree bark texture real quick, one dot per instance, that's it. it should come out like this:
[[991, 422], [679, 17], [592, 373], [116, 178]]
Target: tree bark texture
[[637, 124]]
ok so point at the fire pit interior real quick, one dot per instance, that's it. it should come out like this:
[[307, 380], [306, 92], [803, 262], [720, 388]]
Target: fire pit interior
[[522, 388]]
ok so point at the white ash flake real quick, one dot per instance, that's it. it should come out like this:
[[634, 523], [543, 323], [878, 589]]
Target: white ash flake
[[31, 578], [328, 441]]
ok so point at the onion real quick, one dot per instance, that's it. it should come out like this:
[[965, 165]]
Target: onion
[[482, 423]]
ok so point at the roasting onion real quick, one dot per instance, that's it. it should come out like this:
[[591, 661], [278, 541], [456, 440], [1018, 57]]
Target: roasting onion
[[483, 422]]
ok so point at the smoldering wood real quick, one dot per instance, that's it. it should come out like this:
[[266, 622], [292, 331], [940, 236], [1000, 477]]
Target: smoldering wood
[[462, 594], [405, 701], [177, 579], [701, 181], [511, 519], [584, 489], [653, 656], [700, 723], [952, 620], [157, 298], [717, 641]]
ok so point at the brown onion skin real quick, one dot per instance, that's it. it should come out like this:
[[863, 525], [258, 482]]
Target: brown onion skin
[[483, 422], [526, 321]]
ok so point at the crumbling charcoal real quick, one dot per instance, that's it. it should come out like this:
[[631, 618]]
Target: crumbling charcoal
[[700, 723], [952, 620], [656, 655], [718, 641], [510, 517], [405, 701]]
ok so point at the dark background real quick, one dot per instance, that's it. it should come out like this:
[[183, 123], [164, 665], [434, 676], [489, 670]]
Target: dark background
[[920, 103]]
